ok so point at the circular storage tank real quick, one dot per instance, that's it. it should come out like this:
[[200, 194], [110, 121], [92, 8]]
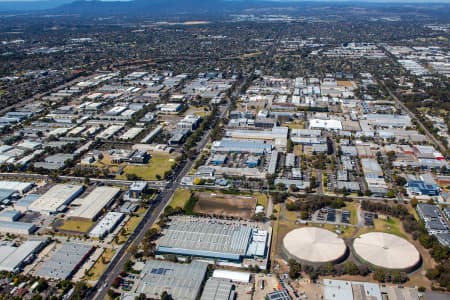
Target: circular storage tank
[[314, 246], [386, 251]]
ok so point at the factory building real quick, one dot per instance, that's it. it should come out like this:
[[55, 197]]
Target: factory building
[[17, 186], [241, 146], [91, 206], [20, 228], [56, 199], [218, 289], [210, 238], [65, 261], [13, 258], [106, 225], [181, 281]]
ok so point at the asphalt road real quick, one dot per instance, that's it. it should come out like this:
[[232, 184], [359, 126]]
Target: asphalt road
[[116, 266], [151, 184]]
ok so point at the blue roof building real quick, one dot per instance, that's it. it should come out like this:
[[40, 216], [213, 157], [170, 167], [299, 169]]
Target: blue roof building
[[420, 188]]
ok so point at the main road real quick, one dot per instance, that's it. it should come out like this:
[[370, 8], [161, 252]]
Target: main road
[[435, 141], [116, 266]]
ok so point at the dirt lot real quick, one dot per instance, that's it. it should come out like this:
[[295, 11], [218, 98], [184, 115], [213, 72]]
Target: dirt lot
[[225, 205]]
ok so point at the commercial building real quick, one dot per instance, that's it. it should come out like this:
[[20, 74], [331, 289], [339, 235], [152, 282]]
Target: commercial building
[[273, 162], [106, 225], [136, 191], [218, 289], [272, 135], [23, 204], [218, 159], [389, 120], [131, 133], [435, 222], [190, 122], [21, 228], [55, 162], [350, 290], [91, 206], [10, 215], [57, 198], [421, 188], [241, 146], [213, 239], [13, 258], [334, 125], [65, 261], [181, 281], [18, 186]]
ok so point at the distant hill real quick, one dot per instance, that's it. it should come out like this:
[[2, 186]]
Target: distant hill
[[161, 8], [31, 5], [155, 7]]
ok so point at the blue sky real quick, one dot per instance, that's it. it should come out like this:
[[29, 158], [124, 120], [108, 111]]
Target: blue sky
[[408, 1]]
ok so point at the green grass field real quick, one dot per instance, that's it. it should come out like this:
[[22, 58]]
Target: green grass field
[[261, 199], [130, 226], [352, 207], [159, 164], [392, 226], [180, 198], [77, 225], [100, 265]]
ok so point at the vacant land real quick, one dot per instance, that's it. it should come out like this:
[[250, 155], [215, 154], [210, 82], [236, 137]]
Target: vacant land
[[262, 199], [225, 205], [130, 226], [198, 111], [100, 265], [180, 198], [346, 83], [160, 163], [76, 226]]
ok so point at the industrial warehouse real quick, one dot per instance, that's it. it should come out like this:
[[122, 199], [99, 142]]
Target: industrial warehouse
[[213, 239], [181, 281], [56, 199], [65, 260], [13, 258], [92, 205]]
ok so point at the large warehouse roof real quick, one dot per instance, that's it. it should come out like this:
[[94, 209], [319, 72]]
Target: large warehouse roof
[[11, 257], [217, 289], [236, 145], [325, 124], [15, 185], [57, 196], [314, 245], [212, 238], [181, 281], [386, 251], [92, 204], [64, 261]]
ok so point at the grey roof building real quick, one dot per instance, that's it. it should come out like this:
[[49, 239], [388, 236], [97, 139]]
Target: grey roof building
[[181, 281], [212, 238], [65, 261], [218, 289]]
